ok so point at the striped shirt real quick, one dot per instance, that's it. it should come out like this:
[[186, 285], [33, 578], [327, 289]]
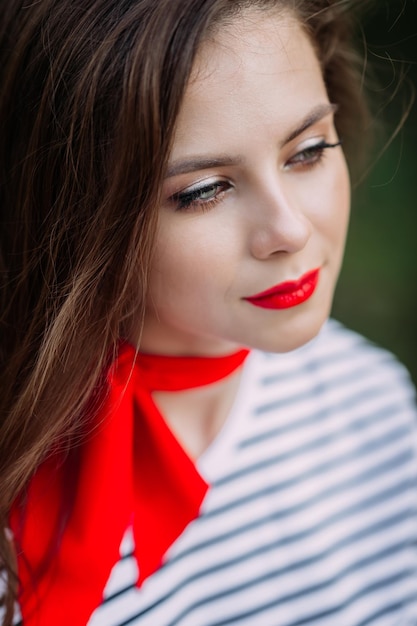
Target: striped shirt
[[311, 517]]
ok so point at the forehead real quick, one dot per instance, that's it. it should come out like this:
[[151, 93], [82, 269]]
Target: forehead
[[259, 69], [254, 30]]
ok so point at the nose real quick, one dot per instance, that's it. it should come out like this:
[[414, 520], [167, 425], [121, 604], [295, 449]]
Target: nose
[[279, 223]]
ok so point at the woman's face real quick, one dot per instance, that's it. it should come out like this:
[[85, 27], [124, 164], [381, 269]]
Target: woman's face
[[255, 196]]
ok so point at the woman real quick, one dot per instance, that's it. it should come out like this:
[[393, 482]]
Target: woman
[[175, 194]]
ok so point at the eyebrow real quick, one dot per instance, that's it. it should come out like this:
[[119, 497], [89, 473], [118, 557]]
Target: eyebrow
[[317, 114], [194, 164]]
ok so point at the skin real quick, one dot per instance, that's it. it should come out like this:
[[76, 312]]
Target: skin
[[268, 212], [271, 219]]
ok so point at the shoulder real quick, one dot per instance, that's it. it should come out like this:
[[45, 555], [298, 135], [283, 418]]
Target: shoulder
[[341, 367], [349, 350], [337, 350]]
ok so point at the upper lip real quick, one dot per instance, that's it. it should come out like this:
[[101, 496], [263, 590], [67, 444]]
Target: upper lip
[[285, 287]]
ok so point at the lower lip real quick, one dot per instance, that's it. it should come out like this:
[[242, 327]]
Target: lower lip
[[288, 294]]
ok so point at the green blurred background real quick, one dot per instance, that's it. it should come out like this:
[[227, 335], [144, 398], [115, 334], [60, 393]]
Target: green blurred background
[[377, 291]]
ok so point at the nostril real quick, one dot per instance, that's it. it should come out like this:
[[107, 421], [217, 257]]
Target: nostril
[[284, 234]]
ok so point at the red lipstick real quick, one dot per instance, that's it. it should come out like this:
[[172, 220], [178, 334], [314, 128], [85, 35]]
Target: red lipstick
[[287, 294]]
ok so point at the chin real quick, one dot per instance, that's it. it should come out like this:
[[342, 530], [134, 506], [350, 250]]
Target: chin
[[290, 336], [301, 338]]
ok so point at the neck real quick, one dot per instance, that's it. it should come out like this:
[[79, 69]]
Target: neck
[[196, 416], [152, 339]]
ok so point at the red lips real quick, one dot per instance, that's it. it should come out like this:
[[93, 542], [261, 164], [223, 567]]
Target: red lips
[[287, 294]]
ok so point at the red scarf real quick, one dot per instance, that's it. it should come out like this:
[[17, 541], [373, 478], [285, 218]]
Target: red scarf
[[132, 472]]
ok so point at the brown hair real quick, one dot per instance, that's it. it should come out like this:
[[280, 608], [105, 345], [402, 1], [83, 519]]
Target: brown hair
[[88, 103]]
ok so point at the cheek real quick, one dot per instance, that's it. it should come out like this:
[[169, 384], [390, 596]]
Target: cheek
[[169, 270], [341, 200], [189, 259], [331, 206]]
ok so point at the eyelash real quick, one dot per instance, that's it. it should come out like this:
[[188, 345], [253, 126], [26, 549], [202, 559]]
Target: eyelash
[[191, 199], [311, 155]]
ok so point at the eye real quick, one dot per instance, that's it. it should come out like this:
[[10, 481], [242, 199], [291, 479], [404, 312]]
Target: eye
[[311, 155], [200, 197]]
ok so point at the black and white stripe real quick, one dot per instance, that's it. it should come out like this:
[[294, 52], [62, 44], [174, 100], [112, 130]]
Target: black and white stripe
[[312, 513]]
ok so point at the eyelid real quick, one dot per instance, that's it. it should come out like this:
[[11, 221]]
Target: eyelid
[[316, 143], [195, 186], [323, 130], [311, 142]]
